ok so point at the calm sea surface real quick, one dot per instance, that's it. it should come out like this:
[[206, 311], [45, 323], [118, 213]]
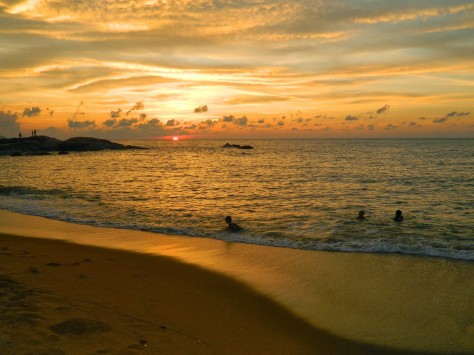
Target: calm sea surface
[[302, 194]]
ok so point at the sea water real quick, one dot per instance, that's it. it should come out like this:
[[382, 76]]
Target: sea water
[[303, 194]]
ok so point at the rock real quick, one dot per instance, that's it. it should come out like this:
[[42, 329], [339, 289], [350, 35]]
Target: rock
[[81, 144], [38, 153], [43, 145], [238, 146]]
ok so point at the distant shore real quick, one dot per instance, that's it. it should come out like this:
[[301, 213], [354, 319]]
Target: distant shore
[[174, 295]]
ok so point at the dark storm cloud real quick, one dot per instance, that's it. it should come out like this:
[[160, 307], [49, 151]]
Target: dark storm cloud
[[390, 127], [80, 124], [458, 114], [242, 121], [440, 120], [171, 123], [110, 123], [31, 112], [138, 106], [201, 109], [208, 123], [193, 126], [153, 123], [383, 109], [351, 118], [228, 118], [127, 122], [8, 123], [116, 114], [450, 115]]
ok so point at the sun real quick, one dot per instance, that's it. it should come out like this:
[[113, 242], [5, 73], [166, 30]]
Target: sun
[[175, 138]]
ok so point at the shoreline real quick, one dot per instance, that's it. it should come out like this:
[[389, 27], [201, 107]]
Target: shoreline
[[391, 301]]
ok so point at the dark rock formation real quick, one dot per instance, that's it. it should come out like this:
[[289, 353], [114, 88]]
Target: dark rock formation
[[83, 144], [238, 146], [42, 145]]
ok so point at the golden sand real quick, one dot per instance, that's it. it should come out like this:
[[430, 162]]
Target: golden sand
[[62, 298]]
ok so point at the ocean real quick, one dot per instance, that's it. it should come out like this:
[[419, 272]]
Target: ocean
[[303, 194]]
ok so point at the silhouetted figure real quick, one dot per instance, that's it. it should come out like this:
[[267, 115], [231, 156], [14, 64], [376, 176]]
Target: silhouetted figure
[[34, 132], [232, 227], [398, 216], [19, 135], [361, 215]]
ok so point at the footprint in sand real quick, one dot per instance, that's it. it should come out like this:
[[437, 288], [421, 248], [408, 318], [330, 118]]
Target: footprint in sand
[[54, 264], [16, 309]]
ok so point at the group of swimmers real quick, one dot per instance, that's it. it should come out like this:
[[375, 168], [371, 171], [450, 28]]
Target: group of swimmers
[[234, 227], [398, 216]]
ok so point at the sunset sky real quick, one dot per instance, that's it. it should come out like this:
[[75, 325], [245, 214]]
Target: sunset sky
[[246, 69]]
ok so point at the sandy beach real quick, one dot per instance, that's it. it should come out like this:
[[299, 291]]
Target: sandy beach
[[62, 298], [199, 296]]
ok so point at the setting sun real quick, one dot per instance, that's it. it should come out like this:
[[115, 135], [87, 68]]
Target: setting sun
[[175, 138]]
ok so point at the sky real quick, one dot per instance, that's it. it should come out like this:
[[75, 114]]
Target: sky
[[148, 69]]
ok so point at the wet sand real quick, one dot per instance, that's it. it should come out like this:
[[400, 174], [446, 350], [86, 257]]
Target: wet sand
[[62, 298], [132, 292]]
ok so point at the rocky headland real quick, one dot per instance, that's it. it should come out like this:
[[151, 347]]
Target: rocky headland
[[43, 145]]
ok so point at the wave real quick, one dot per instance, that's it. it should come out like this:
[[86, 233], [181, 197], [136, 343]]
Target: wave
[[75, 207], [31, 191], [378, 245], [28, 192]]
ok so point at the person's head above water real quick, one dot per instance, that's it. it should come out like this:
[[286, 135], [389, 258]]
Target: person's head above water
[[398, 216], [233, 227], [361, 215]]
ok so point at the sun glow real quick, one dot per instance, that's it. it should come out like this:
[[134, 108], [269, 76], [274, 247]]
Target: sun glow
[[175, 138]]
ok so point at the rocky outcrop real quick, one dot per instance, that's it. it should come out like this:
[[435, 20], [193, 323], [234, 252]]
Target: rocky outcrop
[[238, 146], [84, 144], [42, 145]]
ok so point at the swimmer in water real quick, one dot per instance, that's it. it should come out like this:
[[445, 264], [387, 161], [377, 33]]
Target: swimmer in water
[[398, 216], [232, 227], [361, 215]]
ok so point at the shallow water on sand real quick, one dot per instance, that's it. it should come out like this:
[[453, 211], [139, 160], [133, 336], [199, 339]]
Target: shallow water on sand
[[301, 194]]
